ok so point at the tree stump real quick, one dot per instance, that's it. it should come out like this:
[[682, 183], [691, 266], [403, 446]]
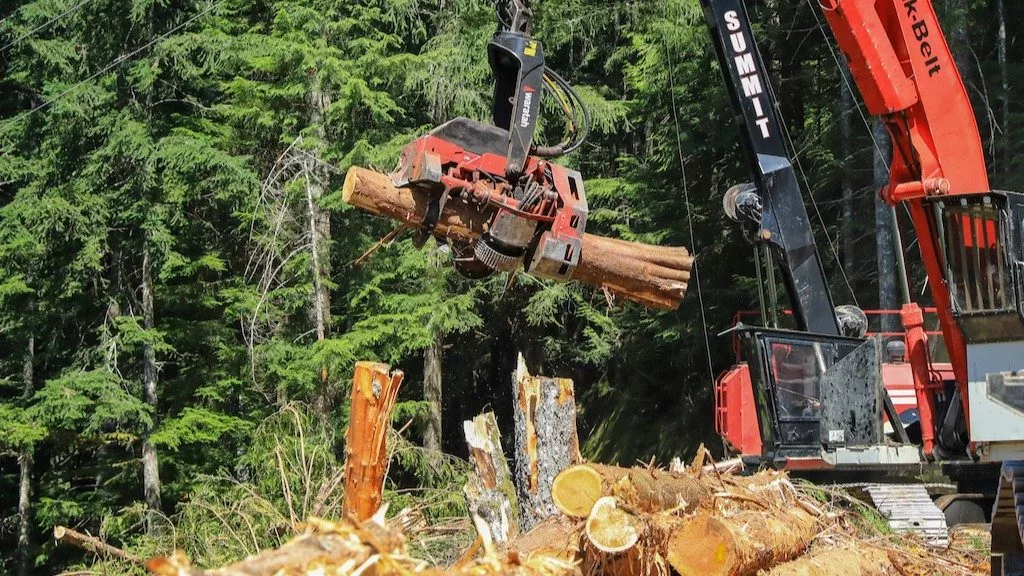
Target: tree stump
[[374, 390], [489, 492], [546, 440]]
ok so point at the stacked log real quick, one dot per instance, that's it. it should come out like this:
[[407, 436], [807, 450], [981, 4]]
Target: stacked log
[[654, 276], [647, 521]]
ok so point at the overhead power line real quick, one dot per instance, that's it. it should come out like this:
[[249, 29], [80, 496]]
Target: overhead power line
[[46, 24], [115, 62]]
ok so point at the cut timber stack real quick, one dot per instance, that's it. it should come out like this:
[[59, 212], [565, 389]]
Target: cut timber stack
[[698, 522], [742, 526], [654, 276]]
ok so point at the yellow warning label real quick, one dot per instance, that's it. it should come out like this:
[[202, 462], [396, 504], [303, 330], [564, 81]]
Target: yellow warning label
[[531, 48]]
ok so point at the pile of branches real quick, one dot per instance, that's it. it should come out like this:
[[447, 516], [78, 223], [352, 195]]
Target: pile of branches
[[631, 522]]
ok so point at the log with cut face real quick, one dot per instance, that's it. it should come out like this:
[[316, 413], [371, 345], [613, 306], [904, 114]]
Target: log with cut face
[[653, 276]]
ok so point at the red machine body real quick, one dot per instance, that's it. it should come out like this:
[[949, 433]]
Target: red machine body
[[906, 74], [736, 410], [537, 220]]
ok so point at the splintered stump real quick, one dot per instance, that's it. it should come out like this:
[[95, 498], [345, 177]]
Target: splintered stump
[[838, 562], [489, 492], [654, 276], [374, 390], [546, 441], [577, 488], [739, 544]]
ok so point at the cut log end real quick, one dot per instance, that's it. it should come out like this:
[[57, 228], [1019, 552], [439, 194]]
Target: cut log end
[[611, 529], [575, 490], [349, 187], [701, 547]]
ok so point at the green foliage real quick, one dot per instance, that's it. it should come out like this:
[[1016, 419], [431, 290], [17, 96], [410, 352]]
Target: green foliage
[[209, 158]]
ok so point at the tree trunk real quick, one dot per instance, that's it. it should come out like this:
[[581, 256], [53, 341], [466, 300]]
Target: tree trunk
[[546, 440], [432, 395], [1005, 77], [150, 468], [846, 149], [888, 299], [317, 176], [489, 492], [25, 469], [374, 391], [654, 276], [92, 544]]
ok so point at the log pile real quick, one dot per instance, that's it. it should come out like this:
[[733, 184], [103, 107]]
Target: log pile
[[738, 526], [654, 276], [575, 518]]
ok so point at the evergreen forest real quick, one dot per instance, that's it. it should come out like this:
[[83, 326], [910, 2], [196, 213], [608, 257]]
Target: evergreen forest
[[183, 293]]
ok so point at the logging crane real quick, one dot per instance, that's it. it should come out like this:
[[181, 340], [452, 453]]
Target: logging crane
[[819, 391], [818, 400]]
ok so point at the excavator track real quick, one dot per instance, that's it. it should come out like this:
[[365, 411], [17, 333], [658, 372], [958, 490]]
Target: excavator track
[[909, 508], [1008, 522]]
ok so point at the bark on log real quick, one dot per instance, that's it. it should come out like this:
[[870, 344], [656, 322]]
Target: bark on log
[[546, 440], [331, 547], [654, 276], [65, 535], [740, 544], [838, 562], [367, 548], [490, 492], [557, 536], [578, 487], [374, 390]]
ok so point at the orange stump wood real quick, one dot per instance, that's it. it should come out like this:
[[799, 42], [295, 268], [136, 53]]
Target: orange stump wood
[[374, 390]]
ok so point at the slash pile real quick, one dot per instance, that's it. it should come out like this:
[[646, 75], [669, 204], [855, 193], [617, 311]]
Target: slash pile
[[632, 522]]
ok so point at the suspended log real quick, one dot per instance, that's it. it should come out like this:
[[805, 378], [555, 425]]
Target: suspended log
[[611, 529], [577, 488], [654, 276], [374, 390], [489, 491], [92, 544], [838, 562], [740, 544], [546, 440]]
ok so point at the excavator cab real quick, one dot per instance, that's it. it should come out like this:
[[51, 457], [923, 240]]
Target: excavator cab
[[820, 399]]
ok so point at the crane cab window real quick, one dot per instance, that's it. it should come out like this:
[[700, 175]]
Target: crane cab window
[[977, 273], [798, 369]]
